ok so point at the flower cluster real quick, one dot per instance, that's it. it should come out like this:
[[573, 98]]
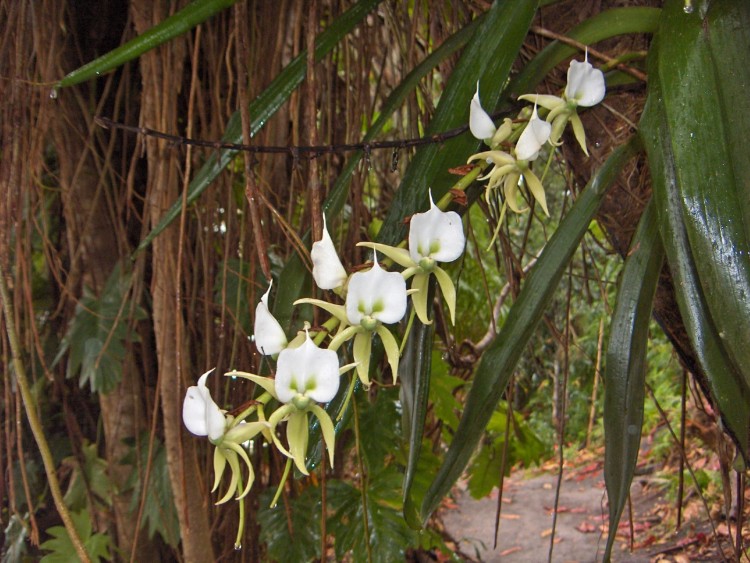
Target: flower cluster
[[307, 374], [370, 302], [512, 168]]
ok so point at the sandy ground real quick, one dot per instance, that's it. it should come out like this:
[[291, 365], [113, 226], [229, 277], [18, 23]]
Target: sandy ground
[[527, 514]]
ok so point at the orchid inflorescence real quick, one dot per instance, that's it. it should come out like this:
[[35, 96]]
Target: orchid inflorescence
[[512, 168], [308, 375]]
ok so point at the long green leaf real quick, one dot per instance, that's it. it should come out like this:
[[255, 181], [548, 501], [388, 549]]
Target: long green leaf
[[263, 107], [414, 372], [729, 387], [707, 129], [175, 25], [500, 359], [487, 59], [625, 373]]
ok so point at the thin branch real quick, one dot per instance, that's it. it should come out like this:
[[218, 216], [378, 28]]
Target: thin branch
[[297, 151], [642, 76]]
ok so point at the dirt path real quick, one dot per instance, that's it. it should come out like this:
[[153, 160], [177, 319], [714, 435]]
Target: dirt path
[[580, 536]]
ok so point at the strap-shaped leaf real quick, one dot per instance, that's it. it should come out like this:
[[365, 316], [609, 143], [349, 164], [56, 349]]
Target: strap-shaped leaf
[[263, 107], [500, 359], [625, 373], [175, 25], [704, 83], [728, 386], [414, 372]]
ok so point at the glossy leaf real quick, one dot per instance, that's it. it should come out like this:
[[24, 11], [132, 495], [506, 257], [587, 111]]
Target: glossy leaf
[[704, 82], [500, 359], [625, 373], [665, 135], [414, 372]]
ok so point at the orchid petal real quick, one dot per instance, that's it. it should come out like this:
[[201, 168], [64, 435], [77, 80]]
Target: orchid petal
[[585, 84], [220, 462], [391, 349], [200, 414], [480, 124], [377, 294], [269, 336], [328, 271], [449, 291], [399, 255], [536, 188], [326, 427], [308, 371], [297, 436], [419, 298], [361, 350], [436, 234], [579, 132], [493, 157], [545, 100], [532, 139]]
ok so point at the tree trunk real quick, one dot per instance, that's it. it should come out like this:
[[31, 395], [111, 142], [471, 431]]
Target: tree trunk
[[161, 73]]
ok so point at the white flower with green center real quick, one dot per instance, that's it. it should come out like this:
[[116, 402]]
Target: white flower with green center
[[585, 88], [202, 416], [435, 236], [507, 171], [328, 272], [374, 298], [305, 376], [268, 335]]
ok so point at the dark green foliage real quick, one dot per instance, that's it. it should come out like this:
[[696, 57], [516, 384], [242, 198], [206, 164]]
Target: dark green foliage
[[99, 334]]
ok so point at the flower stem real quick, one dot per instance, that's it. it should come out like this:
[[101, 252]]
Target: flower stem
[[35, 423]]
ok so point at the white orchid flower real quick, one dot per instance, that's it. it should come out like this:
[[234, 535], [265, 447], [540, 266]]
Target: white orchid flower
[[374, 298], [269, 336], [508, 172], [200, 414], [328, 271], [533, 138], [307, 373], [480, 123], [434, 236], [585, 88], [585, 83]]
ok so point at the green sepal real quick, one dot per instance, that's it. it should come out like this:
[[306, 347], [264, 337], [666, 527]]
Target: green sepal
[[234, 465], [361, 349], [326, 426], [251, 473], [391, 349], [267, 384], [448, 290], [400, 256], [297, 436], [343, 336], [536, 188], [338, 311], [578, 131], [220, 463], [419, 297]]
